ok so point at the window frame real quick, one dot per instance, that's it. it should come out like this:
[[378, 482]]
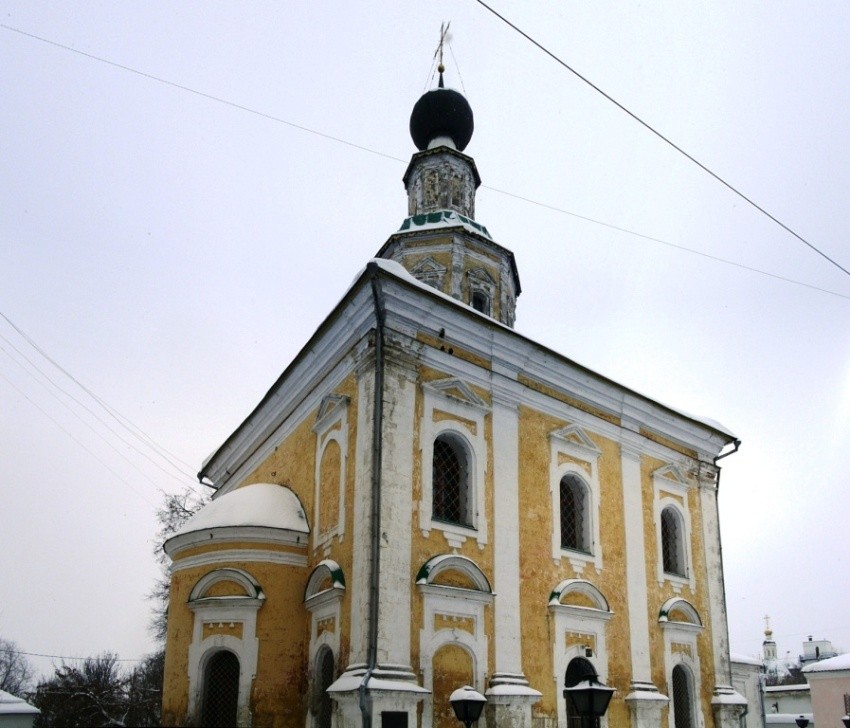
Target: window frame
[[672, 490], [674, 542], [572, 453], [452, 409], [460, 450], [576, 485]]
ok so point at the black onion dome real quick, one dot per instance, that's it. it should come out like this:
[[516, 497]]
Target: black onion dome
[[441, 112]]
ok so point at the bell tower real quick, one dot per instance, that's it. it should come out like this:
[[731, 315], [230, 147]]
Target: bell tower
[[439, 242]]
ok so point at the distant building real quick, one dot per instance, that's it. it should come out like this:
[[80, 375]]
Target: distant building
[[783, 704], [816, 650], [775, 670], [16, 712], [747, 679], [829, 680], [427, 499]]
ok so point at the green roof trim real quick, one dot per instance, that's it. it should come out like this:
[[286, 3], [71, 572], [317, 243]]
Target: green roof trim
[[442, 216]]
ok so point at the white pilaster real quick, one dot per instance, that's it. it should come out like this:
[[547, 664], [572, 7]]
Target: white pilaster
[[396, 584], [636, 567], [509, 696], [727, 703], [645, 702], [362, 517]]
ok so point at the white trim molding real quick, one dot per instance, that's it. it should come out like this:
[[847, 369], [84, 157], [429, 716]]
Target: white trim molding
[[331, 427], [452, 408], [578, 631], [680, 648], [324, 605], [452, 605], [572, 452], [228, 610], [671, 490]]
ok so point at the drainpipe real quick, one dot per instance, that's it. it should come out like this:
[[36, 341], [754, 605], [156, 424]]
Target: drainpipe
[[736, 444], [375, 536]]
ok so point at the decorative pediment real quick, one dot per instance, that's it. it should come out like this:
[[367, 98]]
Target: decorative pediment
[[575, 438], [455, 389], [481, 277], [430, 272], [595, 599], [331, 404], [431, 570], [671, 474], [680, 613]]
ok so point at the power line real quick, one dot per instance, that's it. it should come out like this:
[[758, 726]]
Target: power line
[[76, 414], [67, 657], [403, 161], [662, 137], [187, 89], [123, 421], [82, 445], [668, 243]]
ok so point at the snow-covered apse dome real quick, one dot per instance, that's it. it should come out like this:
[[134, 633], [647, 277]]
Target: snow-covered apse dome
[[264, 511]]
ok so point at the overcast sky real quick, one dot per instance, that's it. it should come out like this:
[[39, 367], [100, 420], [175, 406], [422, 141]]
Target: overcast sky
[[171, 235]]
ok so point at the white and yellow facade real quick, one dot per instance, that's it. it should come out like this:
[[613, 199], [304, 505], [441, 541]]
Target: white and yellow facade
[[330, 565]]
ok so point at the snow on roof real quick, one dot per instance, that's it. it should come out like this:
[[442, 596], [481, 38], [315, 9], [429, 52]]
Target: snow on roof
[[399, 271], [442, 219], [12, 705], [841, 662], [744, 659], [259, 504]]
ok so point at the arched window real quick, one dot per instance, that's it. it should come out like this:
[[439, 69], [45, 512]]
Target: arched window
[[574, 514], [221, 690], [450, 488], [323, 679], [672, 542], [683, 710]]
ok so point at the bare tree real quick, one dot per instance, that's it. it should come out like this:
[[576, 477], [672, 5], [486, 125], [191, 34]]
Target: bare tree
[[89, 693], [16, 673], [174, 512]]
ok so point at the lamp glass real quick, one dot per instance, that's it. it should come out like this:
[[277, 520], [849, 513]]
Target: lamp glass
[[589, 698]]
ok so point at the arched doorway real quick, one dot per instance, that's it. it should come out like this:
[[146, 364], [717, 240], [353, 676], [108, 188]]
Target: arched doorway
[[221, 690], [453, 668], [323, 680], [683, 709], [579, 669]]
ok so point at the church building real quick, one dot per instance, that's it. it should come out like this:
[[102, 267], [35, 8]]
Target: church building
[[427, 499]]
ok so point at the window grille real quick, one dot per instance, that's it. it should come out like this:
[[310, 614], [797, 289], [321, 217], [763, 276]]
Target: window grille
[[450, 487], [682, 708], [573, 515], [221, 690], [672, 546]]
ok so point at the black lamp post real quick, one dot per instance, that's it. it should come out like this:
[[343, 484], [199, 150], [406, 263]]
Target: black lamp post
[[846, 721], [467, 704], [588, 698], [801, 721]]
